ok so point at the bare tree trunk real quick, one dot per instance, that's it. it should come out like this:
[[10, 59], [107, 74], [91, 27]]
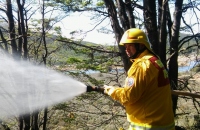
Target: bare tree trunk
[[45, 119], [11, 27], [114, 20], [23, 30], [131, 17], [122, 15], [162, 32], [173, 64], [20, 40], [35, 121], [27, 121], [4, 41], [20, 122], [150, 22], [116, 26], [44, 59], [169, 21]]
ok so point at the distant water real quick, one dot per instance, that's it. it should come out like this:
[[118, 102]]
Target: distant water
[[25, 88], [188, 67]]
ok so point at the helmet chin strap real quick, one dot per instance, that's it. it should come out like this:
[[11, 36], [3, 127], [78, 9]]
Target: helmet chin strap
[[138, 51]]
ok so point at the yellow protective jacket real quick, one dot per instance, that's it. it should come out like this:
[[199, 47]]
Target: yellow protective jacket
[[146, 94]]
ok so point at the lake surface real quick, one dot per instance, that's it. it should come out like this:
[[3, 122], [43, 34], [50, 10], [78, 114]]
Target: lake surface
[[187, 68]]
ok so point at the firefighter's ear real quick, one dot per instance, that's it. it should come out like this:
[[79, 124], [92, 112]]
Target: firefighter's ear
[[142, 47]]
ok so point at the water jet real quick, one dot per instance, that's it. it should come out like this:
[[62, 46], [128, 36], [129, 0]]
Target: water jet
[[25, 87]]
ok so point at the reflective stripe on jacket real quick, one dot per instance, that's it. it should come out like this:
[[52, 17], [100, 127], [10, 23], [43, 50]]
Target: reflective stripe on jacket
[[147, 127]]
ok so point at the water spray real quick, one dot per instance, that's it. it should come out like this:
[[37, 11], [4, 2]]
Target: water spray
[[25, 88]]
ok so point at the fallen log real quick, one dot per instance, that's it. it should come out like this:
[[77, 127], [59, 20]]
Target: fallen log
[[193, 95]]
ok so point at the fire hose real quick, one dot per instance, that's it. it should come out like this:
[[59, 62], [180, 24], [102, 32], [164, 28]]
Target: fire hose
[[174, 92], [182, 93]]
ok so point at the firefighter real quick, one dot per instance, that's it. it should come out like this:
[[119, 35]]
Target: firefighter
[[146, 94]]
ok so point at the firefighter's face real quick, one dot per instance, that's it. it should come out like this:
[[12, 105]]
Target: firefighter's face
[[130, 49]]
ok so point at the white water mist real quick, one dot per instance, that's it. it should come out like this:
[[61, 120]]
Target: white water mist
[[25, 88]]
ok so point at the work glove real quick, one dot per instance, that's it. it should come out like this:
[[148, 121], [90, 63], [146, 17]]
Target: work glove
[[108, 89], [95, 88]]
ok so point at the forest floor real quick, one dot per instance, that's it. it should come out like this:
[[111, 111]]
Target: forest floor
[[188, 108], [185, 60]]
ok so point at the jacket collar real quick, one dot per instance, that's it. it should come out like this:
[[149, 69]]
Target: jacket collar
[[146, 52]]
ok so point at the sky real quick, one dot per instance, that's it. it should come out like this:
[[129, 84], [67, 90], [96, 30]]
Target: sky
[[78, 21], [83, 22]]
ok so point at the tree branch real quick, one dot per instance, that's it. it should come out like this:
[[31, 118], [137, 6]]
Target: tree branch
[[89, 47], [193, 95]]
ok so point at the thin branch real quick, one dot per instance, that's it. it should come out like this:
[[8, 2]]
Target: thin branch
[[89, 47], [193, 95]]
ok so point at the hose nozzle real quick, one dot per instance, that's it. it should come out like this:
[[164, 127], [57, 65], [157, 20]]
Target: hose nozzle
[[95, 88]]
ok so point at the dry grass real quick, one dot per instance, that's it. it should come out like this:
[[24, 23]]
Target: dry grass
[[188, 108]]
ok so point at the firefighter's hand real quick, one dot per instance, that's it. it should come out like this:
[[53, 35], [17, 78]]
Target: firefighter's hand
[[108, 89]]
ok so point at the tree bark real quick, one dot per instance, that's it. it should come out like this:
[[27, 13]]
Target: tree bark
[[173, 64], [4, 41], [23, 30], [35, 121], [11, 27], [131, 17], [150, 23], [162, 32], [118, 31], [122, 14], [44, 59], [20, 40]]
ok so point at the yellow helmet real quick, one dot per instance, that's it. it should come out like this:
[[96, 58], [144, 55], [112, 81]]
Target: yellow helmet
[[135, 35]]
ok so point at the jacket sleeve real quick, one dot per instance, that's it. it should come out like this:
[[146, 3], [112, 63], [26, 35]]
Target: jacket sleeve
[[135, 84]]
